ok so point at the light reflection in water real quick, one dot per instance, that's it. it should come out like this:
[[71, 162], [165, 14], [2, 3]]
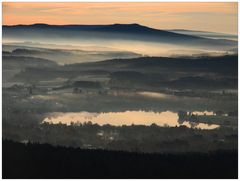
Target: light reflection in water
[[166, 118], [207, 113], [153, 94]]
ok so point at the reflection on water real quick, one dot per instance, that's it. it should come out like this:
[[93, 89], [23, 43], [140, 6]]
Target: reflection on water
[[125, 118], [153, 94], [207, 113]]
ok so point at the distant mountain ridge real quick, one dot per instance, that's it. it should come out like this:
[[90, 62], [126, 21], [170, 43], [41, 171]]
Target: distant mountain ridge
[[133, 32], [126, 28]]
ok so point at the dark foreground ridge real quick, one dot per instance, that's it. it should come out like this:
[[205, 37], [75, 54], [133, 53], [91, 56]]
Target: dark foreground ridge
[[46, 161]]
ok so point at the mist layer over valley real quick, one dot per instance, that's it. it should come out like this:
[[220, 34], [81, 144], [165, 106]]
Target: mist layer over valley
[[111, 41], [120, 87]]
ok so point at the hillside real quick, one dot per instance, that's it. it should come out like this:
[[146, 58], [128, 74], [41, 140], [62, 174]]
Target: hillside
[[133, 32]]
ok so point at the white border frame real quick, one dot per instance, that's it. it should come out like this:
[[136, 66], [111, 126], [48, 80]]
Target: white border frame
[[108, 1]]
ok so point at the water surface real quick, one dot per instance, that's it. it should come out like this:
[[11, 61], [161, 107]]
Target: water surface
[[166, 118]]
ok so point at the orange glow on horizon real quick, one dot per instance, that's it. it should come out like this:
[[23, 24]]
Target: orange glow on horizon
[[220, 17]]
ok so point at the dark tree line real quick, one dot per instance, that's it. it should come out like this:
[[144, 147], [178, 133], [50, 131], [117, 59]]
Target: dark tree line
[[46, 161]]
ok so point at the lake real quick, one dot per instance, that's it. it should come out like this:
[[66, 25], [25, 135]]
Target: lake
[[166, 118]]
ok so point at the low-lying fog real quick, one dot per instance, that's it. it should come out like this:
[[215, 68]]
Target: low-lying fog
[[64, 53]]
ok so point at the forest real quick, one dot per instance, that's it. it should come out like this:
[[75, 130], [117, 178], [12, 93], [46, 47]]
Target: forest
[[25, 161]]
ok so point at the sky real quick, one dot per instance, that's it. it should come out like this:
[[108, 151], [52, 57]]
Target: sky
[[204, 16]]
